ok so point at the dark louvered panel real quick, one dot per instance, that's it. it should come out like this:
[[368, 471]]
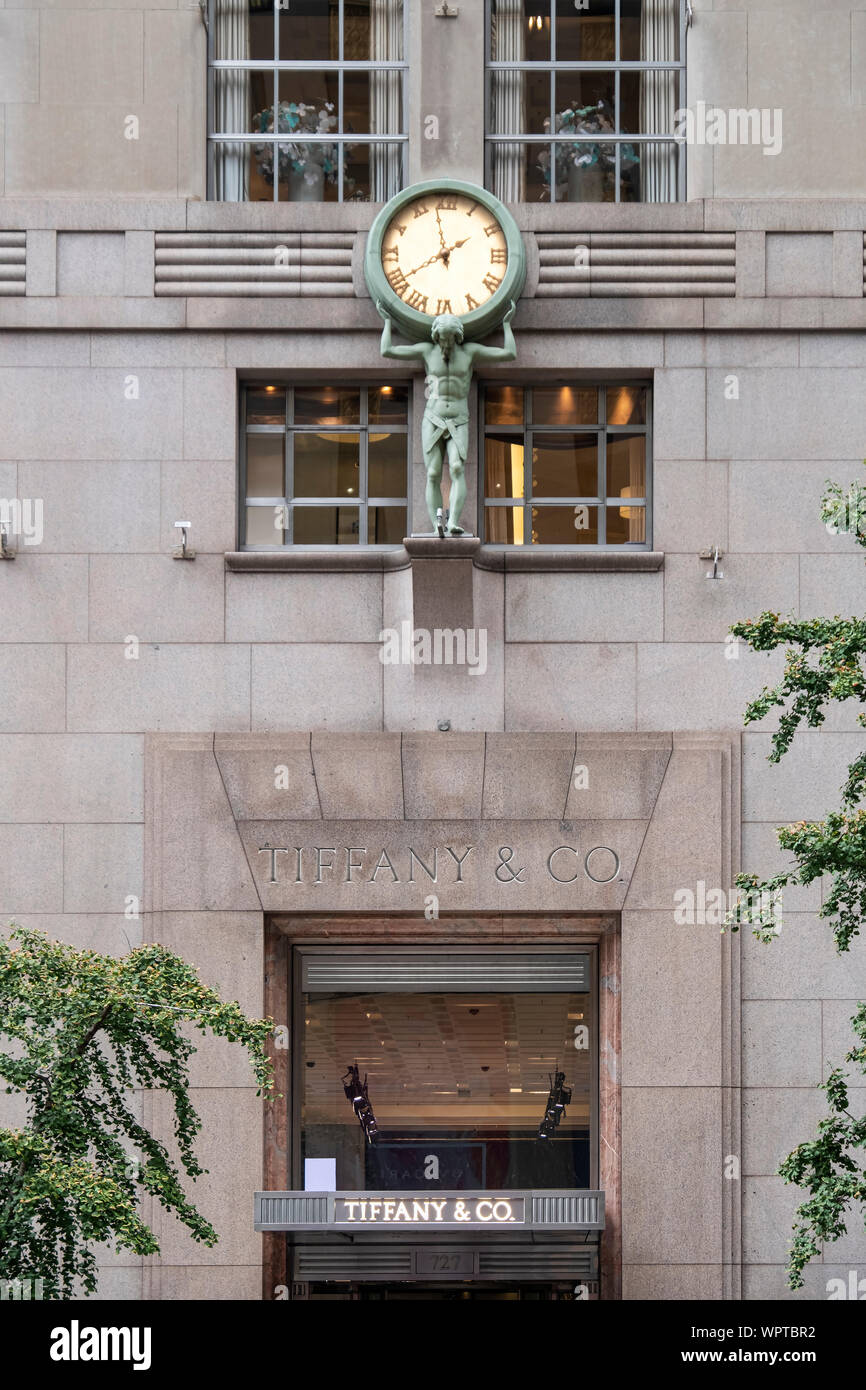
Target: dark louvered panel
[[568, 1209], [281, 1211], [371, 1262], [453, 974]]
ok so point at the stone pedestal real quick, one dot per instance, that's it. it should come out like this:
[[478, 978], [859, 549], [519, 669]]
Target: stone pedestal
[[442, 581]]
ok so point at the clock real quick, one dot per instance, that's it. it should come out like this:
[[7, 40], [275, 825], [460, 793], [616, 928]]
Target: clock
[[445, 247]]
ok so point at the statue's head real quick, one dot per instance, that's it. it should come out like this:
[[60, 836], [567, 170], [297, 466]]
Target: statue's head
[[447, 329]]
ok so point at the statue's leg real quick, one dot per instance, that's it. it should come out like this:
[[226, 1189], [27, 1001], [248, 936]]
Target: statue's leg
[[433, 460], [457, 495]]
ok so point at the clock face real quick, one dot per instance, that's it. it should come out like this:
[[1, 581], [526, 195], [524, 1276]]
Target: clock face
[[444, 253]]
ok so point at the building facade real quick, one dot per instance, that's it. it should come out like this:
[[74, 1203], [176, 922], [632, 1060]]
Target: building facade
[[435, 805]]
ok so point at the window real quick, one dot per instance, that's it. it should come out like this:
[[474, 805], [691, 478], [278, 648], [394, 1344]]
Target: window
[[324, 465], [566, 464], [307, 100], [459, 1073], [582, 100]]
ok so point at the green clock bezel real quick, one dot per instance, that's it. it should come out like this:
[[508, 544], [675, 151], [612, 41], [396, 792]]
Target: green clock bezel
[[478, 322]]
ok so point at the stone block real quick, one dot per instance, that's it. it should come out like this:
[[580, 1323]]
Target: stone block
[[775, 506], [102, 867], [43, 598], [775, 1121], [112, 934], [781, 1042], [832, 585], [527, 776], [156, 598], [570, 685], [19, 45], [227, 949], [681, 849], [769, 1205], [690, 507], [31, 879], [82, 778], [584, 607], [56, 150], [32, 688], [847, 265], [670, 972], [800, 263], [837, 1033], [358, 776], [168, 686], [91, 263], [674, 1283], [268, 776], [732, 350], [303, 686], [97, 53], [698, 609], [209, 413], [679, 412], [616, 778], [229, 1148], [90, 413], [303, 608], [194, 860], [119, 349], [205, 494], [763, 856], [808, 409], [443, 775], [692, 685], [138, 264], [805, 784], [671, 1175], [95, 507], [751, 265], [41, 266]]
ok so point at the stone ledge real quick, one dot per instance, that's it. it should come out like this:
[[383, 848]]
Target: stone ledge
[[559, 559], [318, 560]]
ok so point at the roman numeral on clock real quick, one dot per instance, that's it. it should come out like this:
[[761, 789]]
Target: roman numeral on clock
[[417, 300], [491, 283], [447, 204], [392, 254], [397, 280], [471, 303], [491, 229], [497, 256], [443, 306], [420, 211]]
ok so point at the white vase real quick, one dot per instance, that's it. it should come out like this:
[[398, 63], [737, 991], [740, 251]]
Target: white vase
[[585, 183], [308, 186]]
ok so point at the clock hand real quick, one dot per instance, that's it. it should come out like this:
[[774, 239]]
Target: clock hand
[[439, 225], [429, 261], [446, 254]]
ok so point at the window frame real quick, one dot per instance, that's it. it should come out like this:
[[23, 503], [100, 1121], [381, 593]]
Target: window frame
[[553, 67], [299, 950], [363, 501], [603, 430], [276, 65]]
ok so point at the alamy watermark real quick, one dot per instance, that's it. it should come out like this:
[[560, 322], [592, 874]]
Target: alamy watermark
[[22, 516], [444, 646], [712, 125]]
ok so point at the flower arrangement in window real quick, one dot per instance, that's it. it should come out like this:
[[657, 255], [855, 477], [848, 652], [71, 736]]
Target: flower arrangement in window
[[596, 160], [312, 163]]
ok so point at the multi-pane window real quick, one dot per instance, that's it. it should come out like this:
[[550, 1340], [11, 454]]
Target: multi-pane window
[[324, 464], [566, 464], [307, 100], [582, 100]]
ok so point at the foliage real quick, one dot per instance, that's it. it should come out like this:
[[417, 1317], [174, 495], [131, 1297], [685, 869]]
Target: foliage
[[84, 1032], [823, 666]]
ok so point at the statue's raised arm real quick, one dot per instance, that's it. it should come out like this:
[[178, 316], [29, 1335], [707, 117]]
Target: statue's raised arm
[[407, 351], [507, 353]]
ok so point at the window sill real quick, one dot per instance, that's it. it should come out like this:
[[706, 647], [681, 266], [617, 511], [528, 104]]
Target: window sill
[[561, 559], [324, 559]]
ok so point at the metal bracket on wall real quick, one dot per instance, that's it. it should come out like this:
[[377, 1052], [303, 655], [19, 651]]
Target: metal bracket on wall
[[446, 11], [202, 6], [7, 551], [690, 15]]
